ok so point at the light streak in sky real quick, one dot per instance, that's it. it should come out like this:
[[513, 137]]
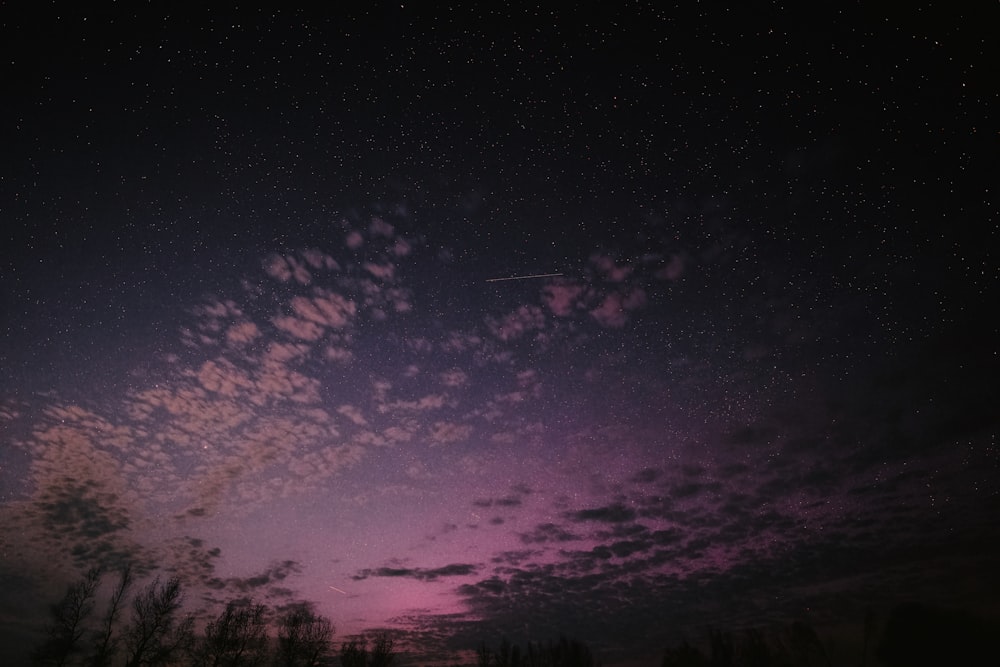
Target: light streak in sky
[[534, 275], [334, 588]]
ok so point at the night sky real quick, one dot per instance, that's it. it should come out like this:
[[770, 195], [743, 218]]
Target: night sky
[[251, 331]]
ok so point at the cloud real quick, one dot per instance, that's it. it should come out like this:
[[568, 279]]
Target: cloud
[[517, 324], [420, 574], [380, 228], [674, 270], [286, 268], [340, 355], [354, 414], [381, 271], [242, 333], [548, 532], [563, 298], [326, 308], [454, 378], [298, 328], [616, 513], [262, 584], [614, 308], [422, 404], [354, 240], [646, 476], [445, 433], [319, 260], [607, 267]]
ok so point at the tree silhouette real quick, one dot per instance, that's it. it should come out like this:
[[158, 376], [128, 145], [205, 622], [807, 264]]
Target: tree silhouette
[[154, 636], [795, 645], [805, 646], [754, 649], [236, 637], [684, 655], [303, 637], [564, 653], [723, 648], [69, 618], [382, 653], [105, 641], [355, 653]]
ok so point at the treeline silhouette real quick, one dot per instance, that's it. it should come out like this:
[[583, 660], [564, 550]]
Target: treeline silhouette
[[913, 635], [563, 653], [148, 629], [796, 645]]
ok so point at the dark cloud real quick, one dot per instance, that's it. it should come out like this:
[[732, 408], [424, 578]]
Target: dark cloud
[[79, 508], [646, 476], [421, 574], [616, 513], [547, 532], [507, 501], [277, 571]]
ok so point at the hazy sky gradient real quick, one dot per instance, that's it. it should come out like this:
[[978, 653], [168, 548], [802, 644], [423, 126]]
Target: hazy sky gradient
[[251, 333]]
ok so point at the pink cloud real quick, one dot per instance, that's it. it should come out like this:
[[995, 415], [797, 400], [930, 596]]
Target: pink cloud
[[397, 434], [610, 313], [326, 308], [299, 272], [443, 433], [338, 354], [429, 402], [401, 249], [382, 271], [354, 240], [276, 267], [673, 270], [454, 378], [460, 342], [561, 299], [319, 260], [611, 270], [302, 329], [286, 268], [380, 227], [518, 323], [634, 299], [223, 378], [242, 333], [613, 310], [352, 413]]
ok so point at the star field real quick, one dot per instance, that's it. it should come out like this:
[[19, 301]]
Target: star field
[[252, 332]]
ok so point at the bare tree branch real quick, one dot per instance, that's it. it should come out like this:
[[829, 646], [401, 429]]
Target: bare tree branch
[[106, 644], [69, 618]]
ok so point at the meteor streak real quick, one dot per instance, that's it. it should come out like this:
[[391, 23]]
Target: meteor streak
[[534, 275], [334, 588]]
